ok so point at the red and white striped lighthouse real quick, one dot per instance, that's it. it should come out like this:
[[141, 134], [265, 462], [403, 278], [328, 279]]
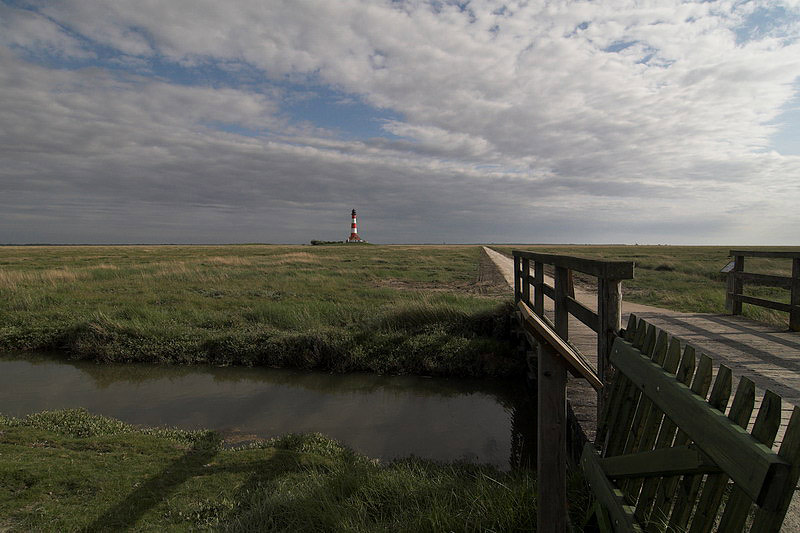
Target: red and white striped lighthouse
[[354, 231]]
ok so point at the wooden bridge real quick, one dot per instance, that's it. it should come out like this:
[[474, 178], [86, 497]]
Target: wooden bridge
[[767, 355]]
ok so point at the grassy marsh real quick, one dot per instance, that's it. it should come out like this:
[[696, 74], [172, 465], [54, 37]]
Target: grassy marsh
[[389, 309], [69, 470]]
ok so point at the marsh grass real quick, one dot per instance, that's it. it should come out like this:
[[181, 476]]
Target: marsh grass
[[683, 278], [337, 308], [70, 470]]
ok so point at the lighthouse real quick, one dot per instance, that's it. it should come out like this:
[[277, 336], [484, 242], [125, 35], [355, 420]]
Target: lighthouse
[[354, 231]]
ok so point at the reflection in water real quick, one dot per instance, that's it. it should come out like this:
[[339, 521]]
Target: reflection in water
[[380, 416]]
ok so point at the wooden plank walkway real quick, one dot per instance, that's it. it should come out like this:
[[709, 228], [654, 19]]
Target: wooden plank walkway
[[767, 355]]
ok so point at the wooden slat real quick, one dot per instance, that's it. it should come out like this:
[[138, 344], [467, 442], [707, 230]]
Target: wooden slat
[[661, 462], [620, 429], [784, 282], [651, 432], [665, 438], [778, 306], [612, 405], [614, 400], [609, 496], [769, 520], [573, 359], [764, 430], [582, 313], [666, 493], [634, 417], [690, 485], [727, 444], [640, 426], [594, 267], [714, 487]]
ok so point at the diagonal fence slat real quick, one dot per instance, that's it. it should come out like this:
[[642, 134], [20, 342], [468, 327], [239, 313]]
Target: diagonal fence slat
[[768, 520], [715, 485], [654, 423], [630, 400], [690, 485], [665, 438], [666, 494], [674, 454], [611, 406], [764, 430]]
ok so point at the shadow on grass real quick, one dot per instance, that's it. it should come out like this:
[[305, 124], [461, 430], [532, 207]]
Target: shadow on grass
[[155, 489], [195, 462]]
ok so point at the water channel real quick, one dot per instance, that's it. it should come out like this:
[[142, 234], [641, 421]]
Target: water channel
[[385, 417]]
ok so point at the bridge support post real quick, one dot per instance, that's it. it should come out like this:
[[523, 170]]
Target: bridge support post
[[794, 312], [551, 467], [525, 279], [609, 310], [538, 283], [735, 286], [561, 314]]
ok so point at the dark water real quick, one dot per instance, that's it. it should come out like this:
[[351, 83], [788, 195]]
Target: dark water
[[380, 416]]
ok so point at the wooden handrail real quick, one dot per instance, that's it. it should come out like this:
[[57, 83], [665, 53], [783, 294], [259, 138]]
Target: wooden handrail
[[575, 361], [556, 356], [595, 267], [765, 254], [734, 297], [606, 322]]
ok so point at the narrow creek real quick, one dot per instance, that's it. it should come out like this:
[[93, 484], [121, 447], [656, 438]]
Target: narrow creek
[[386, 417]]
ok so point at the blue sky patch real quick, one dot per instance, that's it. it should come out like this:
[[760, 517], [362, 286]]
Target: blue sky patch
[[772, 21], [343, 113], [786, 140]]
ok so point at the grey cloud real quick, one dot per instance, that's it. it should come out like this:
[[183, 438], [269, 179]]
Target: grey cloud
[[512, 120]]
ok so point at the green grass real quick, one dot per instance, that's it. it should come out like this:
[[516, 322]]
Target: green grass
[[388, 309], [69, 470], [683, 278]]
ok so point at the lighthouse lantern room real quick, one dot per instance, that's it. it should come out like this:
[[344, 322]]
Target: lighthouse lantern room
[[354, 231]]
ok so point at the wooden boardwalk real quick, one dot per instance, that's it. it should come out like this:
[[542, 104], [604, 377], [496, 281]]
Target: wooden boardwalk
[[767, 355]]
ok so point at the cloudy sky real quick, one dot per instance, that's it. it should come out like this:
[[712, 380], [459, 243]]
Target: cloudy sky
[[199, 121]]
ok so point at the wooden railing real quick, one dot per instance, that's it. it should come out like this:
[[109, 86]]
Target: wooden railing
[[669, 458], [606, 322], [737, 278], [556, 356]]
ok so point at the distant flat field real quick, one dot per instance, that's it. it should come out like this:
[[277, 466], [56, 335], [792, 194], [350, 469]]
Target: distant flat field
[[682, 278], [397, 309]]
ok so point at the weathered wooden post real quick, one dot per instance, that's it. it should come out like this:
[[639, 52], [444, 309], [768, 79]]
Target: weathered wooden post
[[551, 471], [735, 284], [561, 290], [794, 312], [516, 278], [526, 281], [538, 282], [609, 311]]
